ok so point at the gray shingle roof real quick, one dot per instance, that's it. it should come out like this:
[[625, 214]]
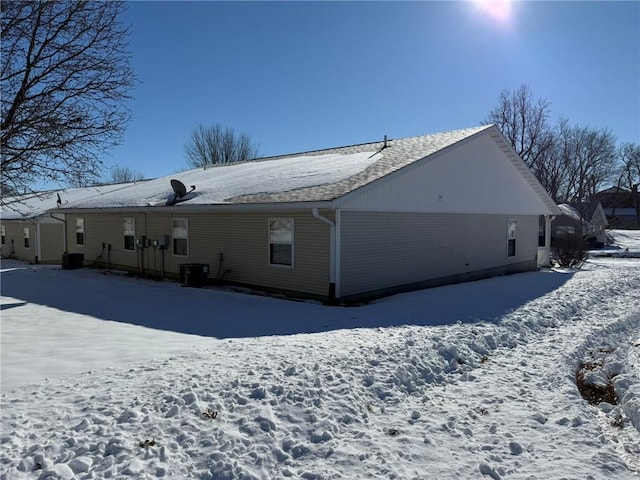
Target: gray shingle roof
[[398, 154], [316, 176]]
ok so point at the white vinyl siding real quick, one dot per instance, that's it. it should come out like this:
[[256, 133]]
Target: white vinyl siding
[[382, 250], [21, 240], [51, 238], [242, 238], [473, 177]]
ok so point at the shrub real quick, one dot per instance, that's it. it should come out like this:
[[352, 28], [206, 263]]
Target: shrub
[[569, 251]]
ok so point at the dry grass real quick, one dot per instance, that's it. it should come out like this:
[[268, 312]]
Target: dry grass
[[592, 393]]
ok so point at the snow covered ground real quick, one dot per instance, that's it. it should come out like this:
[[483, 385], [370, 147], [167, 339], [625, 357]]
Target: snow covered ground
[[106, 376]]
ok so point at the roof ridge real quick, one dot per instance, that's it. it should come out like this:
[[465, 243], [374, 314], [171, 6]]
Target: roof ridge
[[357, 145]]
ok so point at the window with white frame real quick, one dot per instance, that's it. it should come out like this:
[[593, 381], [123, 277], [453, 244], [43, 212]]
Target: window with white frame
[[79, 231], [27, 239], [281, 241], [3, 234], [511, 237], [129, 232], [180, 235]]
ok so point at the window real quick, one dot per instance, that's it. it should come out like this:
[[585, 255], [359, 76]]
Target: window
[[3, 234], [129, 231], [511, 237], [541, 236], [27, 240], [281, 241], [79, 231], [180, 237]]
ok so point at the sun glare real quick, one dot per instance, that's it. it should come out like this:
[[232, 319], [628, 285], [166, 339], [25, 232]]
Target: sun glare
[[499, 10]]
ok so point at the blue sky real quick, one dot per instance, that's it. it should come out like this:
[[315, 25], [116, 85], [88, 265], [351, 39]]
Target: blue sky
[[304, 76]]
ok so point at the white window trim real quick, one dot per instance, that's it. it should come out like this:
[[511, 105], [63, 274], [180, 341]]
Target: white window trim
[[26, 236], [173, 237], [3, 233], [293, 238], [84, 235], [124, 234]]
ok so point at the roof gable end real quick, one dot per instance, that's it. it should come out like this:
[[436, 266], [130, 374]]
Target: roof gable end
[[479, 173]]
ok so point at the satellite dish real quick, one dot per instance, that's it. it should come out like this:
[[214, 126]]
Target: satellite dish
[[178, 188]]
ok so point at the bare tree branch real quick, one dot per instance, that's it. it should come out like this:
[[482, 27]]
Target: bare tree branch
[[125, 175], [524, 122], [211, 145], [571, 162], [629, 174], [66, 78], [589, 159]]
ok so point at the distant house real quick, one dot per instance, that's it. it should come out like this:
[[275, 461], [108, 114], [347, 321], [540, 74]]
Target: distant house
[[593, 212], [338, 224], [586, 220], [621, 206], [32, 226]]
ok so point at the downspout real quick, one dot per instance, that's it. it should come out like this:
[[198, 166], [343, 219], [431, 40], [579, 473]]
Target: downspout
[[547, 237], [147, 243], [64, 236], [636, 204], [332, 254], [38, 245]]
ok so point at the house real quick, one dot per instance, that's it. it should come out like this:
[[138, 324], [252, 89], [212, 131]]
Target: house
[[621, 206], [32, 226], [337, 224], [586, 220], [593, 212]]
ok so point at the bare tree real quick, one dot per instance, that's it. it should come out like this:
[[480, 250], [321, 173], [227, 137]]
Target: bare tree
[[211, 145], [524, 121], [125, 175], [66, 78], [629, 160], [629, 174], [552, 170], [589, 158], [571, 162]]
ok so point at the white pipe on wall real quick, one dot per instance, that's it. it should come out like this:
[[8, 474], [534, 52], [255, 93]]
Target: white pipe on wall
[[332, 251]]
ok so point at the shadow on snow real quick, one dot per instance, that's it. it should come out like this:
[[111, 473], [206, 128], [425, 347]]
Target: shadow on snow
[[224, 314]]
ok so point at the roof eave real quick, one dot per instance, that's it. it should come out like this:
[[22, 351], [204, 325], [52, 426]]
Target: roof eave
[[199, 208], [524, 170]]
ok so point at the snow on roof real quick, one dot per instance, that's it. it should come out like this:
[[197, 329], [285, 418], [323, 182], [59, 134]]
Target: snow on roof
[[37, 204], [219, 184], [569, 211], [311, 176]]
